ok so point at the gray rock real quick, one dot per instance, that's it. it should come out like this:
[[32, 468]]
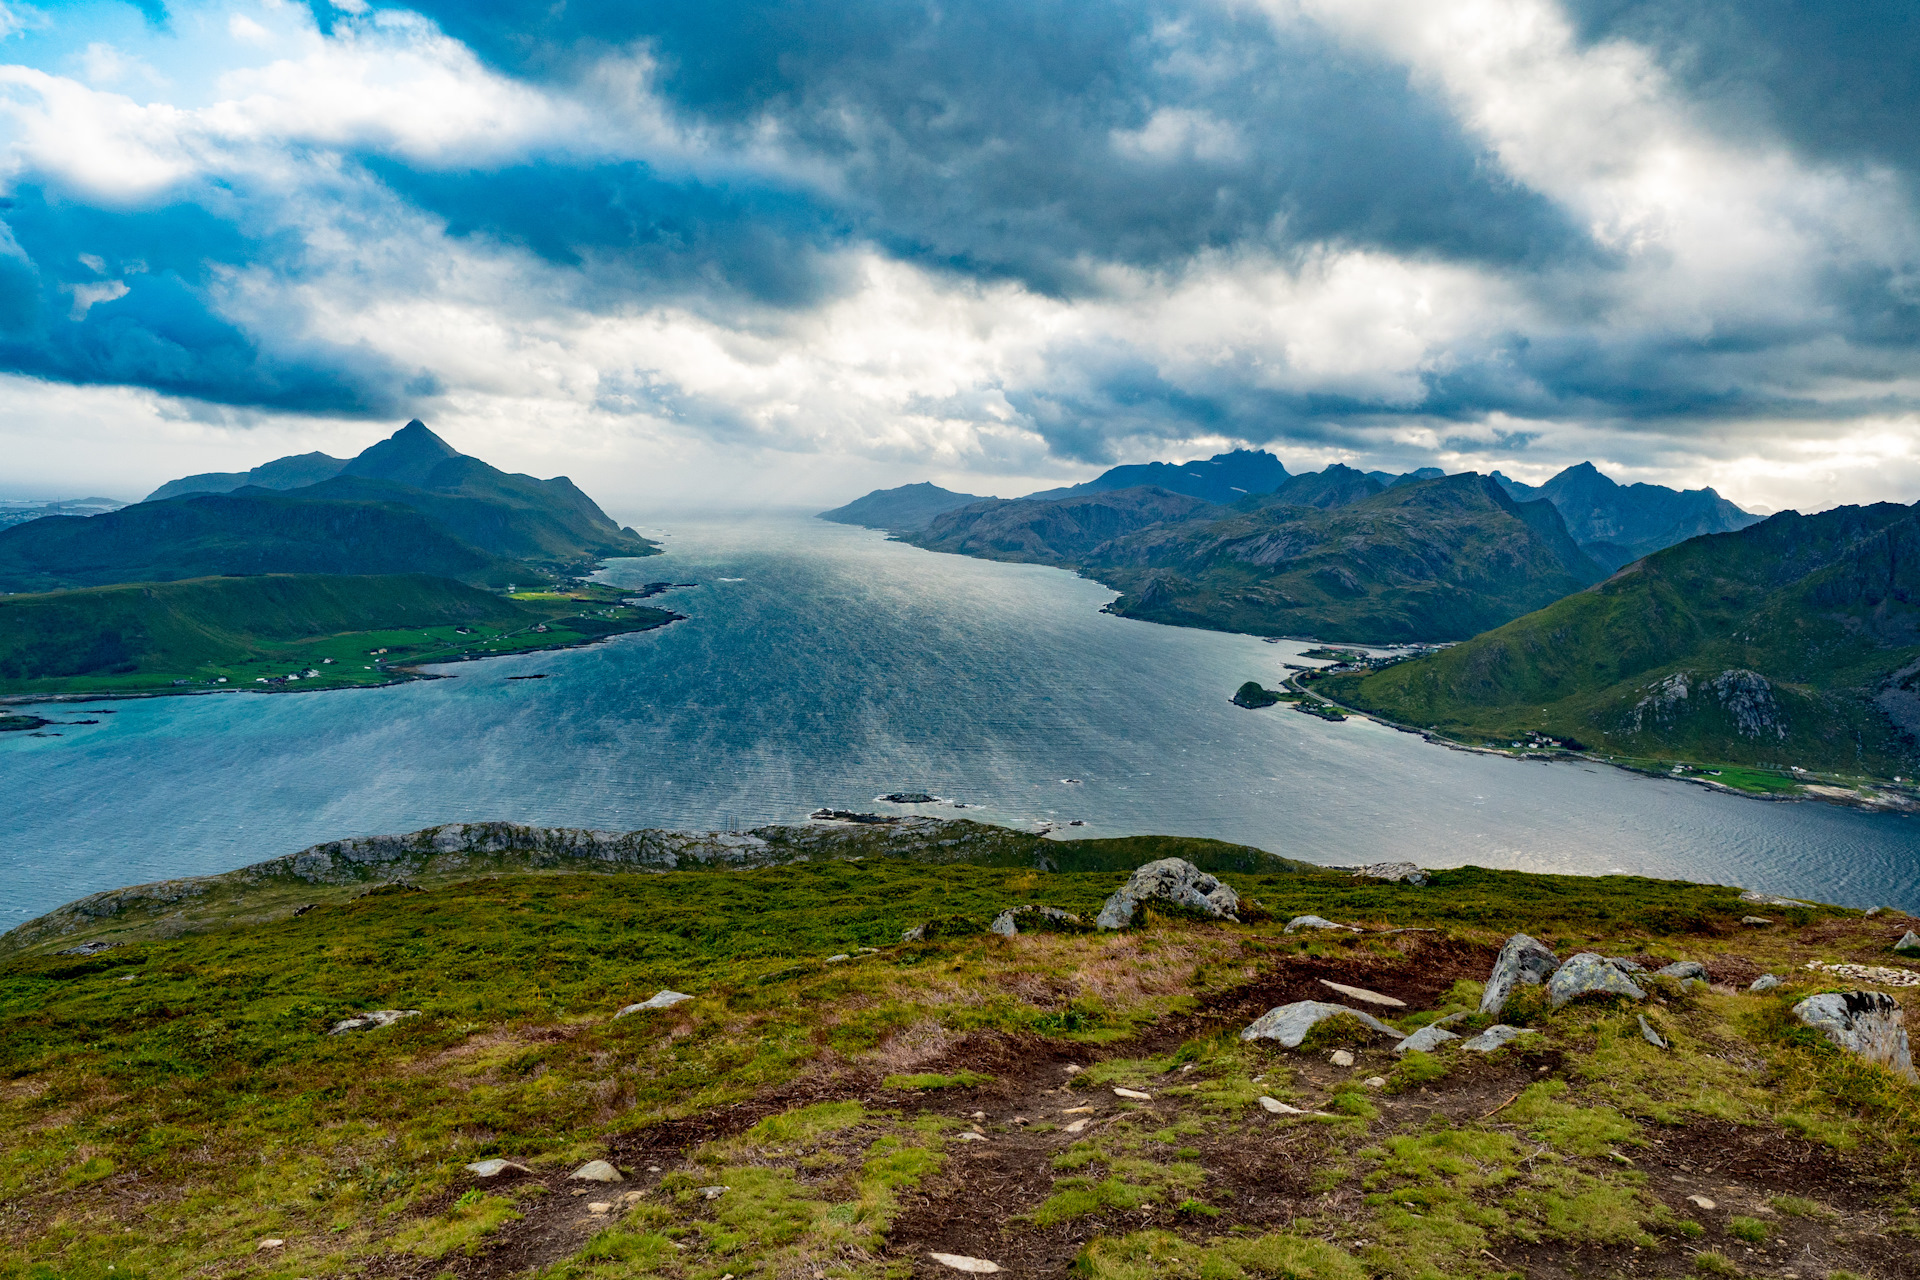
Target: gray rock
[[1495, 1037], [1289, 1023], [495, 1167], [1756, 921], [1426, 1039], [1588, 974], [596, 1171], [1522, 960], [1648, 1034], [1626, 966], [1170, 880], [659, 1000], [1007, 923], [371, 1021], [1314, 922], [916, 934], [1683, 969], [1868, 1023], [1398, 872], [1765, 982], [1909, 943], [1769, 900]]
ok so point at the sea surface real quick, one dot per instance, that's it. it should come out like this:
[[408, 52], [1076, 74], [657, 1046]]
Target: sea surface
[[823, 665]]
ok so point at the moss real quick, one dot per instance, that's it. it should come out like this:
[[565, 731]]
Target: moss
[[1752, 1230], [1570, 1130], [1152, 1255]]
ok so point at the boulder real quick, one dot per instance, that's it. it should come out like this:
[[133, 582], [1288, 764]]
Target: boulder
[[1588, 974], [371, 1021], [1909, 944], [596, 1171], [1498, 1036], [1521, 960], [1008, 922], [1426, 1039], [1289, 1023], [1315, 922], [1868, 1023], [659, 1000], [1683, 969], [1171, 880], [1765, 982], [1397, 872]]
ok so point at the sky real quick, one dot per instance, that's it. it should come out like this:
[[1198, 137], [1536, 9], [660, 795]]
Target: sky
[[737, 252]]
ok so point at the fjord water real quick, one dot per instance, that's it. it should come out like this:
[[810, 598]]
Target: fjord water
[[822, 665]]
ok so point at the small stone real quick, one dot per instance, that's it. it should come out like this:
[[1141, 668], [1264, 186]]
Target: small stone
[[1288, 1024], [1076, 1111], [713, 1192], [978, 1115], [653, 1168], [630, 1198], [961, 1262], [1280, 1108], [1074, 1069], [1588, 974], [1701, 1202], [1909, 943], [1077, 1125], [1494, 1037], [1755, 921], [1648, 1034], [1426, 1039], [1315, 922], [1683, 969], [1522, 961], [1375, 1082], [1341, 1058], [1363, 995], [596, 1171], [1135, 1094], [1765, 982], [973, 1136], [1868, 1023], [271, 1242], [659, 1000], [371, 1021], [600, 1207], [837, 959], [495, 1167], [1871, 912]]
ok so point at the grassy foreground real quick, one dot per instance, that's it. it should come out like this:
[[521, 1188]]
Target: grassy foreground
[[175, 1106], [277, 632]]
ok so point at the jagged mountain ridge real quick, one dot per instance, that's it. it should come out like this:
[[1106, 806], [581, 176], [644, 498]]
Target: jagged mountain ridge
[[1617, 524]]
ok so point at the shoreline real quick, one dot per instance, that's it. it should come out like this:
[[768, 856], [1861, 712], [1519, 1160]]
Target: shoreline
[[405, 674]]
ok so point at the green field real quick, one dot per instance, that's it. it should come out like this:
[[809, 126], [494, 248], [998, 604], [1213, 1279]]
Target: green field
[[283, 632], [175, 1107]]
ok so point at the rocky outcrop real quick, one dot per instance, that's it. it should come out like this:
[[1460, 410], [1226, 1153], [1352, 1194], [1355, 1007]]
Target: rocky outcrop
[[1316, 922], [1429, 1037], [1522, 961], [1586, 975], [1397, 872], [1289, 1023], [1009, 922], [659, 1000], [1765, 982], [1868, 1023], [1909, 944], [1174, 881], [1683, 970]]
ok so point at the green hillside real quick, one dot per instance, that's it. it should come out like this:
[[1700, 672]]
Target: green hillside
[[1793, 642], [1428, 560], [348, 630], [250, 532]]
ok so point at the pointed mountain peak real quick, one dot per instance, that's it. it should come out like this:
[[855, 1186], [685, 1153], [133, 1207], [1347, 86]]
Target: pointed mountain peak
[[408, 456]]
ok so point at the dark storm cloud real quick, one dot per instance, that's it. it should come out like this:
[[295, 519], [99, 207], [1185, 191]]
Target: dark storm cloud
[[60, 320], [992, 137]]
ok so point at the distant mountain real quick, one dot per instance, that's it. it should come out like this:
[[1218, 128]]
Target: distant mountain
[[1387, 479], [1794, 641], [1334, 487], [1617, 524], [1221, 479], [1056, 531], [410, 503], [282, 473], [1430, 560], [254, 531], [903, 510]]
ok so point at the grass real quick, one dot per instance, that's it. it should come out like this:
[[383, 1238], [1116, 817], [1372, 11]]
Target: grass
[[164, 1126], [282, 632]]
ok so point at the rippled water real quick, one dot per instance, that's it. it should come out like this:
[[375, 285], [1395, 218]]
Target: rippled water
[[822, 665]]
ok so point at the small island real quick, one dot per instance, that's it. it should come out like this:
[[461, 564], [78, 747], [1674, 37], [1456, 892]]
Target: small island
[[1252, 695]]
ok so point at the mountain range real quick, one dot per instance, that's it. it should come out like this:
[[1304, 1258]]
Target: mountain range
[[408, 504], [1792, 642], [1617, 524]]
